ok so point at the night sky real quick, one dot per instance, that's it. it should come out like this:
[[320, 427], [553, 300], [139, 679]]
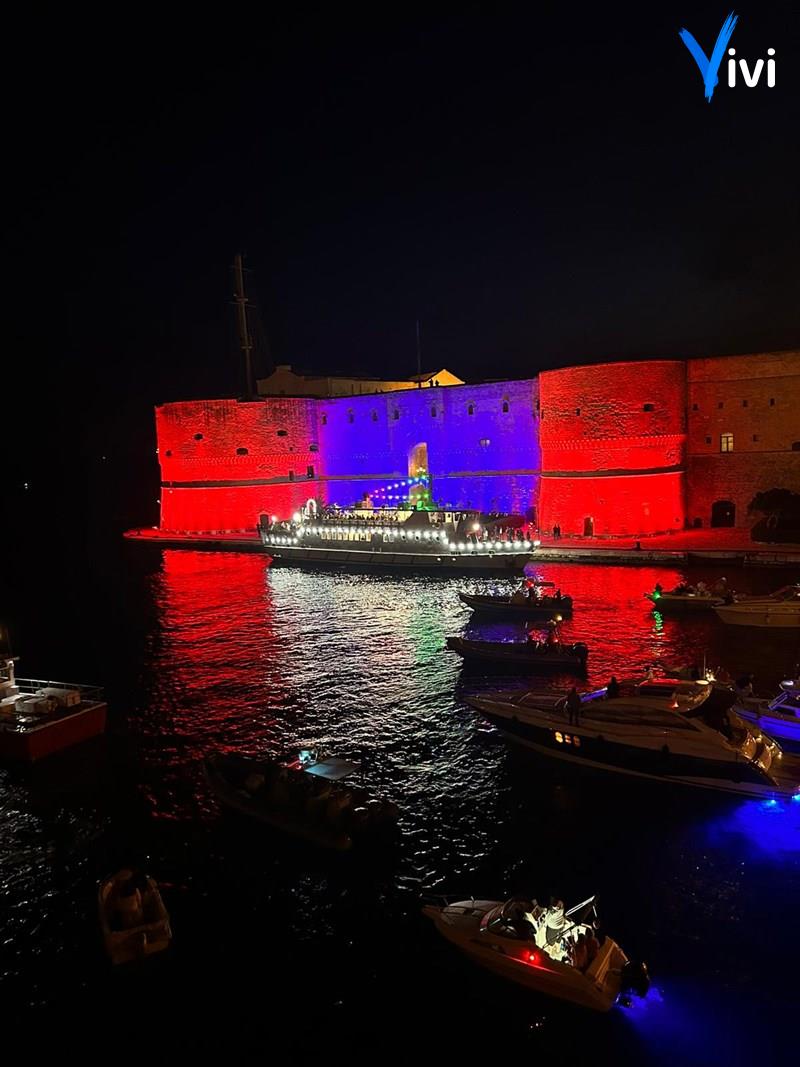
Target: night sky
[[538, 185]]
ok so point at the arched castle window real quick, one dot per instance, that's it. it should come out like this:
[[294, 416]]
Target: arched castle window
[[505, 407], [374, 416], [395, 414], [350, 416], [470, 409], [433, 412]]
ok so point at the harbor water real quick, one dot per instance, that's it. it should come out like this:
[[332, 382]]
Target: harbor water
[[201, 652]]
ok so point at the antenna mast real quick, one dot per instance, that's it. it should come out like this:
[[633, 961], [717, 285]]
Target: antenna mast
[[245, 340]]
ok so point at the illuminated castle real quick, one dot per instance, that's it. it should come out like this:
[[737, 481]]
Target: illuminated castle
[[612, 449]]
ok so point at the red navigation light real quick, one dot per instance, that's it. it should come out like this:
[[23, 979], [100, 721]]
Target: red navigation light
[[533, 958]]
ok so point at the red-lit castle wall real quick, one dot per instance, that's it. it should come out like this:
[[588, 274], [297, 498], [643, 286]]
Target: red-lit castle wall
[[613, 439], [225, 462], [750, 407]]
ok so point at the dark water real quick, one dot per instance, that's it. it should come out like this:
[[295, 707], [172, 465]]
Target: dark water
[[273, 944]]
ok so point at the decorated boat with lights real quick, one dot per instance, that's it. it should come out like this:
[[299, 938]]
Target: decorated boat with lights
[[530, 600], [780, 610], [778, 717], [666, 730], [549, 950], [530, 656], [401, 531], [39, 718], [308, 795]]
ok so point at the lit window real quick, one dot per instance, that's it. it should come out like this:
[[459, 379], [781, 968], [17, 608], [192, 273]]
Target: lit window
[[649, 407], [559, 737], [726, 442], [198, 437], [485, 442], [505, 407], [241, 451]]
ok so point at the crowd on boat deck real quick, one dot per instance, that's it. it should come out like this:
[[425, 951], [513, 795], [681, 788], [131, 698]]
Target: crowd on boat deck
[[553, 932], [719, 589], [529, 592]]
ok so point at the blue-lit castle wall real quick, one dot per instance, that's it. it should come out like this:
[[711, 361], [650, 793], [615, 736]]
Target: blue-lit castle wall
[[482, 444]]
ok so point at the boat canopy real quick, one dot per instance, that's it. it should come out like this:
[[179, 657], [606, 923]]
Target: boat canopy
[[333, 768]]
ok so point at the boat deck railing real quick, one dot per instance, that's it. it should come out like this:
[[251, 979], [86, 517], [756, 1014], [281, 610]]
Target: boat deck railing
[[31, 686]]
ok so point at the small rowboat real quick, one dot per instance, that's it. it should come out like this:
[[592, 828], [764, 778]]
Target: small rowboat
[[133, 918], [530, 607], [523, 655], [306, 798]]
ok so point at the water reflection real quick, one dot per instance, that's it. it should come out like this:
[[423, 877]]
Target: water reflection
[[242, 657]]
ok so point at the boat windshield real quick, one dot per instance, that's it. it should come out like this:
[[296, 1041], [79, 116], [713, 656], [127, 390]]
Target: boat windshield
[[788, 701]]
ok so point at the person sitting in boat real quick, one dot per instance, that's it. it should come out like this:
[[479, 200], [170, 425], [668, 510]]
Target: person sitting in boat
[[554, 921], [520, 595], [129, 904], [744, 685], [579, 952], [702, 588], [720, 587], [612, 689]]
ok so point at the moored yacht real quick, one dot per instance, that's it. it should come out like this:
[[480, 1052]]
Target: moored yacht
[[549, 950], [667, 730], [779, 610], [779, 717]]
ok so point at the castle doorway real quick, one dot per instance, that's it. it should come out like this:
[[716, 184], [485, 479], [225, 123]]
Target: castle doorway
[[588, 526], [723, 513]]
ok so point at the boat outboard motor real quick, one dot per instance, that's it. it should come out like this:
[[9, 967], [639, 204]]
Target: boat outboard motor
[[635, 979]]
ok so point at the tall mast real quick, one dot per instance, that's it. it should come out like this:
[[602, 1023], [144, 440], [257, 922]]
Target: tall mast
[[245, 341], [419, 358]]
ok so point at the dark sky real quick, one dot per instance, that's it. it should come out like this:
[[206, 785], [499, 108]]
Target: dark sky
[[539, 185]]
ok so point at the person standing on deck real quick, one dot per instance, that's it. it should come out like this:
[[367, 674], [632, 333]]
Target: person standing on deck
[[574, 707]]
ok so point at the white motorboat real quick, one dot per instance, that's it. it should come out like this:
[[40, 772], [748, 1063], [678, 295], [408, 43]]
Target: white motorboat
[[549, 950], [667, 730], [779, 717], [780, 609]]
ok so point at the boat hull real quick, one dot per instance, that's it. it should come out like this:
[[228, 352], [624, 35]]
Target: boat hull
[[531, 609], [508, 563], [47, 738], [765, 617], [583, 745], [667, 604], [516, 656]]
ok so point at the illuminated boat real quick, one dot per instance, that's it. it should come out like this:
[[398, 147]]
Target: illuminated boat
[[666, 730], [779, 610], [779, 717], [306, 797], [133, 919], [522, 604], [523, 655], [548, 950], [38, 718], [397, 539]]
